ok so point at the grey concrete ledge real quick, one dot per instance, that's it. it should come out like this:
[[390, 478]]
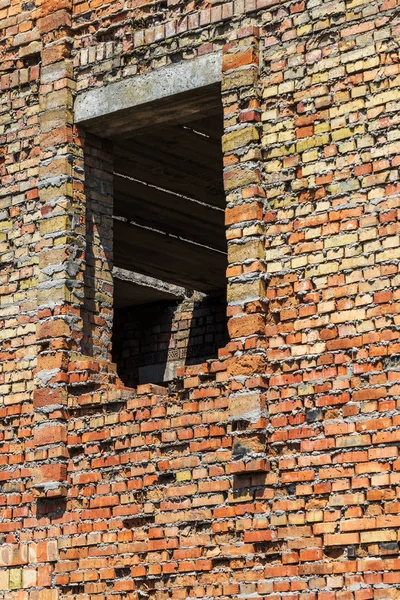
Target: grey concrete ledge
[[174, 79]]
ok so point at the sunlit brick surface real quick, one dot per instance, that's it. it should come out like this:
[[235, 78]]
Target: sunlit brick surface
[[273, 471]]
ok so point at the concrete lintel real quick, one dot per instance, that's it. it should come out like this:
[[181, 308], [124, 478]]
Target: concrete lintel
[[162, 288], [174, 79], [151, 282]]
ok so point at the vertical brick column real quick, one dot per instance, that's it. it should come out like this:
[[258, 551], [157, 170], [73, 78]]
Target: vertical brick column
[[98, 280], [245, 229], [61, 255]]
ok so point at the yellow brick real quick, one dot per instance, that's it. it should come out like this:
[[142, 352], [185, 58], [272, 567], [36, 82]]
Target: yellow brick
[[55, 224], [314, 516], [183, 476], [298, 262], [391, 254], [346, 147], [246, 291], [321, 128], [240, 178], [323, 269], [310, 156], [271, 90], [240, 496], [382, 98], [273, 267], [54, 294], [250, 250], [317, 167], [306, 144], [304, 30], [341, 134], [270, 115], [372, 537], [54, 193], [238, 138], [344, 186], [5, 225], [286, 87], [296, 519], [269, 139], [340, 240], [15, 581], [273, 166]]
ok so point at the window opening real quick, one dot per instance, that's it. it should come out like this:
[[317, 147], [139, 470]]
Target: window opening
[[169, 248]]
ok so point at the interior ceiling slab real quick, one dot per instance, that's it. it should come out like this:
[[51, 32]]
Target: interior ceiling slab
[[168, 258], [176, 158]]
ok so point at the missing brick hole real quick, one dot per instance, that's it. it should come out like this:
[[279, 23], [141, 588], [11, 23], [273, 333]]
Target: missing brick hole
[[291, 489], [138, 522], [165, 478], [147, 585], [75, 451], [292, 447], [72, 589], [314, 414], [107, 445], [32, 60], [112, 475], [220, 563], [50, 506], [78, 390], [249, 481], [351, 552], [335, 552], [121, 572], [389, 548], [269, 548], [141, 497], [181, 447], [203, 527], [262, 547], [240, 425], [175, 386]]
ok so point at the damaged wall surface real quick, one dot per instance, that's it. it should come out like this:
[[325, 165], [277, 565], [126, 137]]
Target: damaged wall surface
[[271, 468]]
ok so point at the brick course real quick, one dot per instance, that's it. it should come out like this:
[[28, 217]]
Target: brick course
[[273, 470]]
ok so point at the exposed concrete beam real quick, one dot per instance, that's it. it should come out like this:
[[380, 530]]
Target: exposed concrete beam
[[176, 291], [130, 103]]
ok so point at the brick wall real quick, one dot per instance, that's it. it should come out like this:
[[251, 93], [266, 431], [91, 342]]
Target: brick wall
[[19, 206], [272, 471]]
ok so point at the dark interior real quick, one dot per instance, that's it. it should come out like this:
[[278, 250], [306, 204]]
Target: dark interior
[[169, 237]]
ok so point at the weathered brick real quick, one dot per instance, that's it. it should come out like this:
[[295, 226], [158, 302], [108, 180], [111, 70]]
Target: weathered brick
[[283, 448]]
